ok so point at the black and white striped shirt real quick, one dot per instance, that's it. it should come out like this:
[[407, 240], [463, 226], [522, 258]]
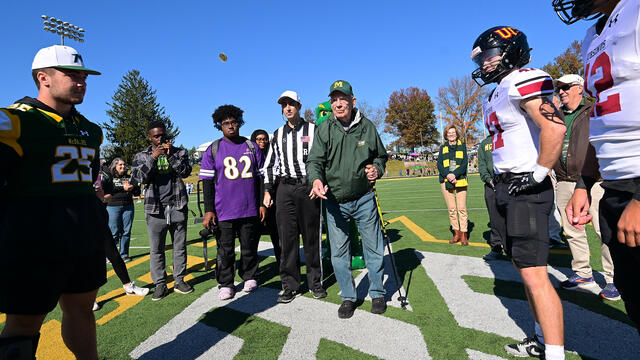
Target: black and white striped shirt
[[288, 152]]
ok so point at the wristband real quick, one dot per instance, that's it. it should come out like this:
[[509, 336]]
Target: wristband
[[539, 173]]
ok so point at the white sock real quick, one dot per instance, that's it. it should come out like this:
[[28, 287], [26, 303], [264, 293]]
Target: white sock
[[539, 333], [554, 352]]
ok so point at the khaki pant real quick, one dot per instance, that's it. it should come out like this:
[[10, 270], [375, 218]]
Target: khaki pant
[[456, 200], [578, 238]]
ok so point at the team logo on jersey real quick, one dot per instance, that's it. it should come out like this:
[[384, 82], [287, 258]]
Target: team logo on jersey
[[506, 32]]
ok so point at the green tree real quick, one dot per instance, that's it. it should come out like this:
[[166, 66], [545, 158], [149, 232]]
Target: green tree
[[133, 106], [411, 118], [461, 102], [569, 62]]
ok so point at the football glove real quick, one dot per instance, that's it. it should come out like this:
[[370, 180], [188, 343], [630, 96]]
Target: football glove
[[522, 182]]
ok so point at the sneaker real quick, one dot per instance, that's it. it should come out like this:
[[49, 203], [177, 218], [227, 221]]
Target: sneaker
[[250, 285], [226, 293], [96, 307], [182, 287], [529, 347], [160, 292], [347, 309], [126, 259], [492, 255], [578, 283], [132, 289], [319, 293], [378, 306], [610, 292], [287, 296]]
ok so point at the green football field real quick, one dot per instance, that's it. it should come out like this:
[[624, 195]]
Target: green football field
[[460, 307]]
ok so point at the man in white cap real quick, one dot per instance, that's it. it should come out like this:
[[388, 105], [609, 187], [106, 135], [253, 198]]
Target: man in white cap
[[568, 168], [50, 158], [296, 214]]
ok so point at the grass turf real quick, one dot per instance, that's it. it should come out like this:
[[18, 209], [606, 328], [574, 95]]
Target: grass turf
[[420, 201]]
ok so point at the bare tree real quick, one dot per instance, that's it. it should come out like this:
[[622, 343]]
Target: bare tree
[[309, 115], [461, 102]]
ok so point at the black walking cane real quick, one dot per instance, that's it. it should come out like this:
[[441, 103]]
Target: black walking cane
[[401, 299]]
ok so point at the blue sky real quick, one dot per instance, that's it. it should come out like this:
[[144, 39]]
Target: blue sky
[[271, 46]]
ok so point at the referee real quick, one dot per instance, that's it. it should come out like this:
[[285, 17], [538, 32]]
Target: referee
[[296, 214]]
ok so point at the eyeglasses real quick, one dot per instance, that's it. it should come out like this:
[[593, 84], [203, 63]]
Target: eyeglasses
[[566, 87], [229, 123]]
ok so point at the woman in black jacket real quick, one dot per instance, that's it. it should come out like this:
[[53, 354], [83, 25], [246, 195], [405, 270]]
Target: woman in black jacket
[[119, 191]]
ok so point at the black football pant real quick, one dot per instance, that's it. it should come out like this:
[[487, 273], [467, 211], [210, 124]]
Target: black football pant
[[248, 234], [297, 215], [490, 200], [626, 260]]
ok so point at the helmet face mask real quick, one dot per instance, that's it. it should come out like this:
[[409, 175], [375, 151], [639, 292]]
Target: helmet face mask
[[508, 48], [570, 11]]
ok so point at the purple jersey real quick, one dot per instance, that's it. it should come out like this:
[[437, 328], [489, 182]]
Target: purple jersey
[[236, 170]]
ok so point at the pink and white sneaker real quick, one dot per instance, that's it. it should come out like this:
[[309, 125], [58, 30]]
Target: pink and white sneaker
[[226, 293], [250, 285]]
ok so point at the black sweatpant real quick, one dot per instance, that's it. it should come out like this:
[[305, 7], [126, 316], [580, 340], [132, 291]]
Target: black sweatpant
[[490, 200], [297, 215], [626, 260], [247, 230]]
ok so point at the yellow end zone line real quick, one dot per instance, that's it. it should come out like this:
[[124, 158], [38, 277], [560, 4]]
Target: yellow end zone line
[[426, 237]]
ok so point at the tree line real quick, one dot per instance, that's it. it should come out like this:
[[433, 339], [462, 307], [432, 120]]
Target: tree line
[[409, 117]]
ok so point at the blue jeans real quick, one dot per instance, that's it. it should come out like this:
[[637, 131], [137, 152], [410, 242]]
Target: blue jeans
[[120, 221], [365, 214]]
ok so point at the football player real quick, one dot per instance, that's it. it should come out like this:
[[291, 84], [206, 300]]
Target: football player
[[527, 132], [611, 55], [50, 160]]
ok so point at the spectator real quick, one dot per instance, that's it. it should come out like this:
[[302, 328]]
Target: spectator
[[261, 137], [57, 255], [232, 188], [296, 214], [339, 174], [485, 167], [452, 166], [576, 109], [161, 167], [119, 191]]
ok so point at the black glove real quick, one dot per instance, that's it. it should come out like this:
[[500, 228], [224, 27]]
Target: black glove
[[522, 182]]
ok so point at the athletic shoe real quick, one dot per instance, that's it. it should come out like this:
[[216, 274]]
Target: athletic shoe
[[160, 292], [182, 287], [250, 285], [529, 347], [578, 283], [132, 289], [319, 293], [126, 259], [96, 307], [378, 306], [493, 255], [226, 293], [347, 309], [287, 296], [610, 292]]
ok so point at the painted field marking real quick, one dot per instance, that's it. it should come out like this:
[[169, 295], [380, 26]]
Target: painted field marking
[[3, 318], [51, 345], [426, 237], [130, 264]]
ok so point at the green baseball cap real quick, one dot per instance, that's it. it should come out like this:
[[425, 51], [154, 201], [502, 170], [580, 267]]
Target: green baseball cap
[[341, 85]]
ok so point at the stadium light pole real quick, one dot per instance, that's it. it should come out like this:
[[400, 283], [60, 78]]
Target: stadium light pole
[[62, 28]]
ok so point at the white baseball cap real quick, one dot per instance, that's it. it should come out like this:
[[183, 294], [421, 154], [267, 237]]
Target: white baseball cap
[[62, 57], [571, 79], [291, 95]]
